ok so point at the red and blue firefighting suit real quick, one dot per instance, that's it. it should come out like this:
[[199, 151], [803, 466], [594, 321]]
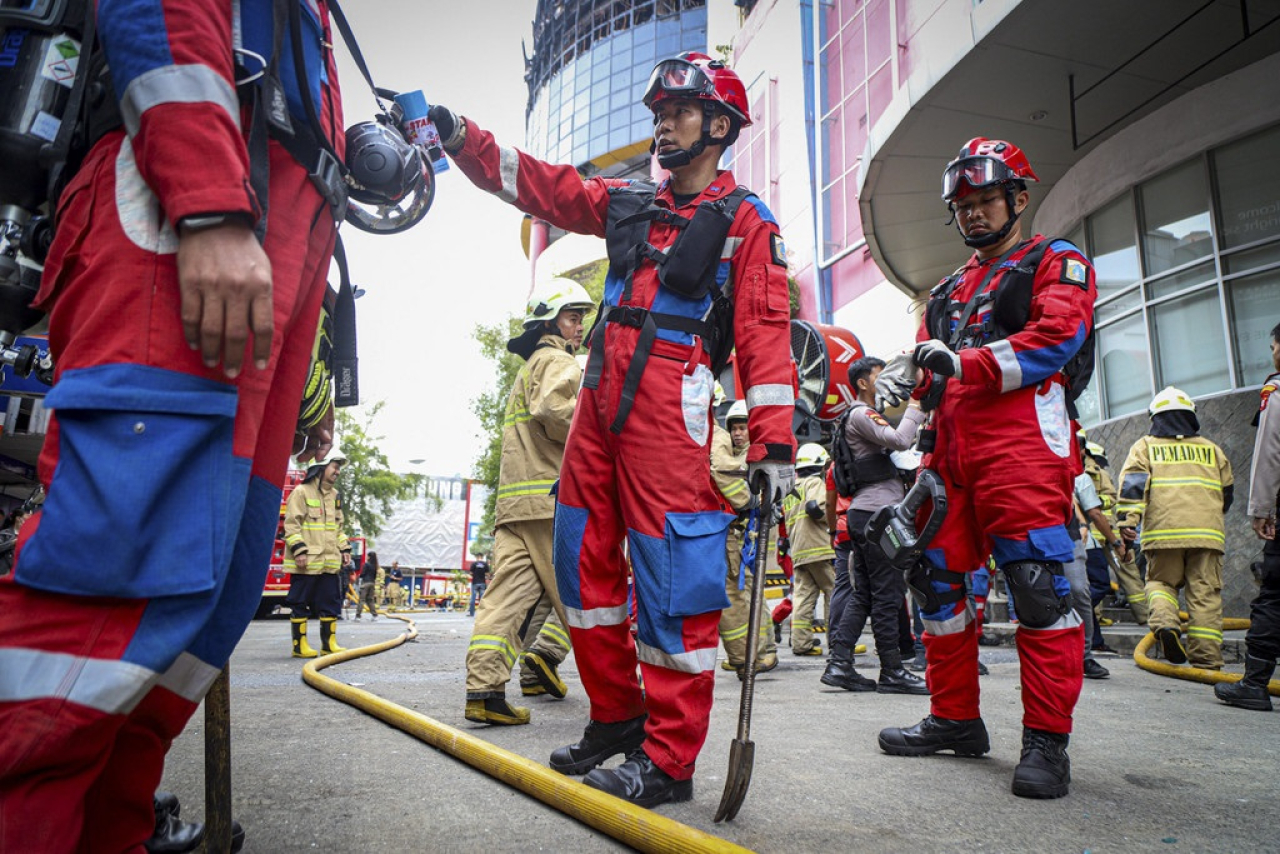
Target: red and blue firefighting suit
[[651, 482], [163, 478], [1007, 454]]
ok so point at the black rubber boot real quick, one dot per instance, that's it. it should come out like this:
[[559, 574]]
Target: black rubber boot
[[1251, 691], [495, 710], [172, 834], [599, 742], [1094, 670], [931, 735], [641, 782], [1171, 646], [1045, 769], [840, 672]]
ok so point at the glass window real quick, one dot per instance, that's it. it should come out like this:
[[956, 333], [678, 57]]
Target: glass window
[[1191, 344], [1118, 306], [1115, 255], [1248, 175], [1123, 361], [1175, 211], [1255, 308], [1242, 262], [1197, 275]]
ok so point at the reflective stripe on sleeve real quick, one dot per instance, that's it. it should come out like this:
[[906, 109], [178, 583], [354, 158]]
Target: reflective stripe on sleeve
[[1010, 369], [508, 170], [776, 394], [177, 84], [109, 686]]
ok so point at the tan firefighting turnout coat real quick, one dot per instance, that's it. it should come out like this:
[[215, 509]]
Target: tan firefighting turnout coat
[[1174, 489], [534, 429], [809, 539], [313, 523], [729, 469], [1106, 494]]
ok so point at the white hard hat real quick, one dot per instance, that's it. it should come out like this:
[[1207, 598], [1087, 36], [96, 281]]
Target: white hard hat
[[737, 412], [553, 296], [811, 455], [1171, 400]]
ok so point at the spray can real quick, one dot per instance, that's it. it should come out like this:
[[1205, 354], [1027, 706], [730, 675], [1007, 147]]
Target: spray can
[[420, 130]]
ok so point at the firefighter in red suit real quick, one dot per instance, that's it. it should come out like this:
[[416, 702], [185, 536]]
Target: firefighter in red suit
[[636, 462], [998, 340], [182, 344]]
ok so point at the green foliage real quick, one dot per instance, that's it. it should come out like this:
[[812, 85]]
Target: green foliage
[[793, 295], [368, 486]]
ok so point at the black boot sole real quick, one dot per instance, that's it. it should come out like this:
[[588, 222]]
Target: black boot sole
[[1040, 791], [595, 760], [677, 792], [1171, 646], [866, 687], [920, 691], [964, 748]]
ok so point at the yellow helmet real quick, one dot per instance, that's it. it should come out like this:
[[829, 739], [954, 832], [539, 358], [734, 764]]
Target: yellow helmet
[[1170, 400]]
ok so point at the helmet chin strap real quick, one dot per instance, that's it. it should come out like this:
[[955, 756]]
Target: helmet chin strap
[[684, 156], [1010, 193]]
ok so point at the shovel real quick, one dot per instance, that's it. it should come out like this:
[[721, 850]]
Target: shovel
[[742, 752]]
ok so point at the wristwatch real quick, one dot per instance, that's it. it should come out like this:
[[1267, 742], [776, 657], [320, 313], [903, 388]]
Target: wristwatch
[[203, 222]]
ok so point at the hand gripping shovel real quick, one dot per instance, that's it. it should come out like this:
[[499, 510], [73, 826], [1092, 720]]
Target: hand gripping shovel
[[742, 751]]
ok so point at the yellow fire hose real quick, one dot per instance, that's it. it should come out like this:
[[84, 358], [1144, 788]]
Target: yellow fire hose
[[637, 827], [1193, 674]]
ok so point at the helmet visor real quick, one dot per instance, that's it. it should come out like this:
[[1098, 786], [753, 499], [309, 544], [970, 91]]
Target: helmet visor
[[977, 172], [677, 77]]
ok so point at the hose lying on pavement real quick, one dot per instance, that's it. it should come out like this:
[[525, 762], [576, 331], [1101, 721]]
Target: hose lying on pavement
[[640, 828], [1194, 674]]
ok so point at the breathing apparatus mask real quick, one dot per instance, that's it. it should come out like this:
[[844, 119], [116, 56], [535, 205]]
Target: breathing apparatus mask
[[391, 182]]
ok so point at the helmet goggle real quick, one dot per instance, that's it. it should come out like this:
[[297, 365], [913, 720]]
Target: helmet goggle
[[977, 172], [678, 77]]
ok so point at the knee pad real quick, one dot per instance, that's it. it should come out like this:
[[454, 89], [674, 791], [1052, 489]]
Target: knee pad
[[1040, 590]]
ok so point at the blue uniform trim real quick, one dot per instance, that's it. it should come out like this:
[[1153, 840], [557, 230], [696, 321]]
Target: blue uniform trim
[[980, 581], [679, 574], [1043, 363], [1066, 246], [138, 502], [139, 24], [761, 208], [566, 552], [938, 558], [256, 19], [1047, 544]]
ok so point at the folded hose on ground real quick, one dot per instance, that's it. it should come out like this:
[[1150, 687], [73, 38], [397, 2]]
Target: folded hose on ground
[[1193, 674], [640, 828]]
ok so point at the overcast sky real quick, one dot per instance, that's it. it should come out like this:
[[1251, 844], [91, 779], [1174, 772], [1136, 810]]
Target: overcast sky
[[462, 265]]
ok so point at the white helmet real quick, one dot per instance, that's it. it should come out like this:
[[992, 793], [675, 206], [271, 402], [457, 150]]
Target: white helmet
[[1171, 400], [335, 456], [737, 412], [811, 455], [553, 296]]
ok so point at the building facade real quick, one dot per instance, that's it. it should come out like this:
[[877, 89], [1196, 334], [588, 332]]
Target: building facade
[[1154, 130]]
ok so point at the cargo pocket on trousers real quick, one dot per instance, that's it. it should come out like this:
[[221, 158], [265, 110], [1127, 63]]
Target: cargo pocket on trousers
[[137, 506], [696, 563]]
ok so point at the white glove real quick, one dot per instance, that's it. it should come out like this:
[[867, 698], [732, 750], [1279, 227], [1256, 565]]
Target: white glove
[[779, 477], [897, 380], [938, 357]]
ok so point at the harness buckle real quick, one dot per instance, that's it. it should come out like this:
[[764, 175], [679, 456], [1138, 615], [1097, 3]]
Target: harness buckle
[[327, 176], [627, 315]]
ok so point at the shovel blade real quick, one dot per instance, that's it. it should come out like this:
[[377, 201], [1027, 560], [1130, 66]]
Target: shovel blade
[[742, 755]]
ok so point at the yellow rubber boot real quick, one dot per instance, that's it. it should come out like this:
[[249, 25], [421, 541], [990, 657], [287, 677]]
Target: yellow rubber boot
[[328, 636], [496, 710], [301, 649]]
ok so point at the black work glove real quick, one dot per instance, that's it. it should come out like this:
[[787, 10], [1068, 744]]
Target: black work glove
[[451, 127], [936, 356]]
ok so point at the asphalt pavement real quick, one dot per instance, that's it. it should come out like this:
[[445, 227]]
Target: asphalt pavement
[[1157, 763]]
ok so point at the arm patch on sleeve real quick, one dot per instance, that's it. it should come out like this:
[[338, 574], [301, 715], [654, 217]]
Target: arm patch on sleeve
[[778, 250], [1134, 486], [876, 417], [1074, 272]]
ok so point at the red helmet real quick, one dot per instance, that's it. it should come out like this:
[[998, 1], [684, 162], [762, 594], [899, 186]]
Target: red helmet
[[696, 75], [984, 162]]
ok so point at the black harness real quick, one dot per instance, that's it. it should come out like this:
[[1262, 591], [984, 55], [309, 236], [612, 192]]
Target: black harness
[[688, 268]]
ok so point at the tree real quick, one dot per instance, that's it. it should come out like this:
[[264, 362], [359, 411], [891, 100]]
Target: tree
[[368, 487]]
